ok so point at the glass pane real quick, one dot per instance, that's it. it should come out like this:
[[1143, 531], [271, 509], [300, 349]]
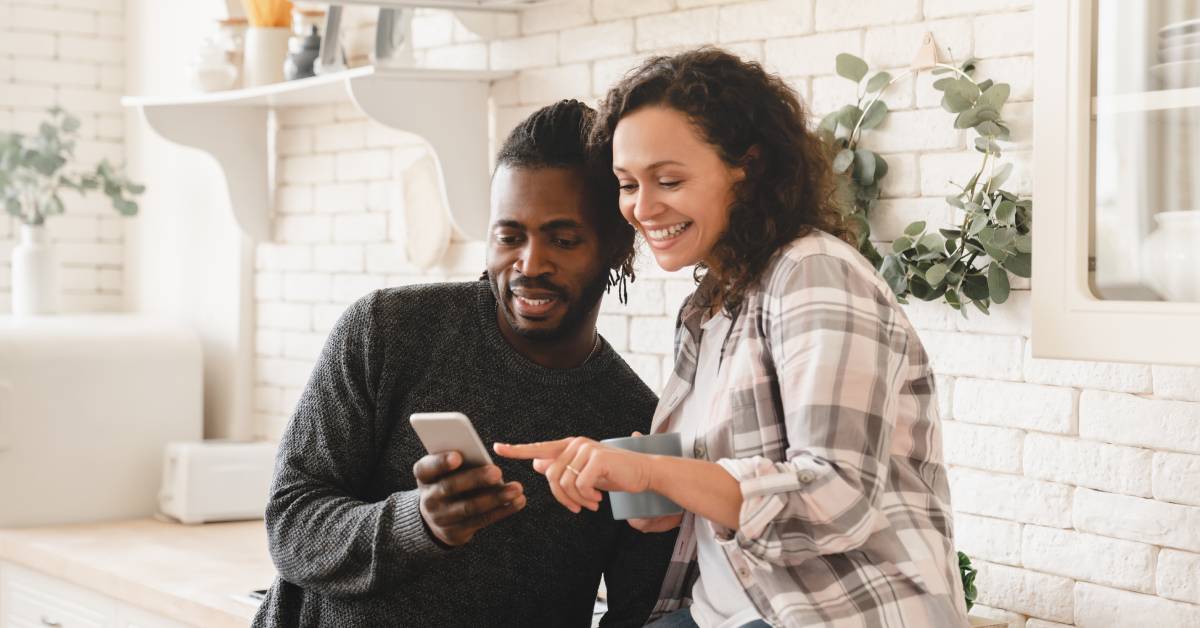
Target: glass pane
[[1146, 126]]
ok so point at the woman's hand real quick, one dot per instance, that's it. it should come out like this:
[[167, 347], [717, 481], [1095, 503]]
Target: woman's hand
[[578, 468], [657, 524]]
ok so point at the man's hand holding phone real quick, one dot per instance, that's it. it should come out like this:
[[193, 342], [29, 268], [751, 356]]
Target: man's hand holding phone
[[456, 502]]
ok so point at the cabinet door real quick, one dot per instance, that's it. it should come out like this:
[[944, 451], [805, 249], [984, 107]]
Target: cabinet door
[[28, 598], [1116, 260]]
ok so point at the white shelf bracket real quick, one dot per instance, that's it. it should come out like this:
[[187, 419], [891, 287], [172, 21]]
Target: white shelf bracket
[[236, 137], [452, 116]]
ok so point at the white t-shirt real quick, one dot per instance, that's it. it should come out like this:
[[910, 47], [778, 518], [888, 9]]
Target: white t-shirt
[[718, 600]]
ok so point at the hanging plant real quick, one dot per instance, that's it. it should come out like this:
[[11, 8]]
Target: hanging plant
[[963, 264]]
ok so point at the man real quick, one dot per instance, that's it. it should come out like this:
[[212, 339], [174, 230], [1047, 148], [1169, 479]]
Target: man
[[366, 529]]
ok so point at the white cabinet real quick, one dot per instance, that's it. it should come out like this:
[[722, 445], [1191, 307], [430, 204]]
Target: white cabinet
[[1116, 259], [29, 599]]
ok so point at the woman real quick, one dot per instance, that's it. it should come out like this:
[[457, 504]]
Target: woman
[[814, 488]]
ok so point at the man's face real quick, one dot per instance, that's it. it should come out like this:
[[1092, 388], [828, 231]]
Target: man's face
[[544, 258]]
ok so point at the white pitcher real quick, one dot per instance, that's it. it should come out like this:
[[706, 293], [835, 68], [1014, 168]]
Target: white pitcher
[[34, 274]]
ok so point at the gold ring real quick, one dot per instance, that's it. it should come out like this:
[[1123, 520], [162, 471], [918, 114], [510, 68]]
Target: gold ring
[[573, 469]]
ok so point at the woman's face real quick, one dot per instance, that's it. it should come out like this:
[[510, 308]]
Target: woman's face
[[675, 189]]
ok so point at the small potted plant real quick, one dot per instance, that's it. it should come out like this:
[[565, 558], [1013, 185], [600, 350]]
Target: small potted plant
[[32, 175]]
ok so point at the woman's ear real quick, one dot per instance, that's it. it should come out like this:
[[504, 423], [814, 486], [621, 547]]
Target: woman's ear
[[748, 162]]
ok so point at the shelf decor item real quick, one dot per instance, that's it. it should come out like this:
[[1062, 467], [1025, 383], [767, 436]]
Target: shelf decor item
[[31, 178], [964, 264], [266, 41]]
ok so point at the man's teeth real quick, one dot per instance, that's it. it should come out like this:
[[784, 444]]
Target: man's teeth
[[534, 302], [669, 232]]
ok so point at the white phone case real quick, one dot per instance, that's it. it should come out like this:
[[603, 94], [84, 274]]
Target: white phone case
[[450, 431]]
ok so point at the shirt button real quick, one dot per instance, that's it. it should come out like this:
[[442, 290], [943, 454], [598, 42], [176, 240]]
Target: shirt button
[[743, 573], [807, 476]]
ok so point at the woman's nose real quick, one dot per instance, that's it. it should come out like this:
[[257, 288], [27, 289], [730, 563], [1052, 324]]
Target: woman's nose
[[645, 206]]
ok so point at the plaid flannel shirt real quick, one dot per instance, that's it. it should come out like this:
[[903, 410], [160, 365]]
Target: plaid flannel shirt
[[828, 421]]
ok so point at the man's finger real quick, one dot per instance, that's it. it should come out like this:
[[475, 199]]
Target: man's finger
[[495, 515], [431, 467], [465, 510], [450, 487], [529, 451]]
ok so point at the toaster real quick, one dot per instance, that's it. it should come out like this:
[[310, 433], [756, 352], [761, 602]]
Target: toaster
[[216, 480]]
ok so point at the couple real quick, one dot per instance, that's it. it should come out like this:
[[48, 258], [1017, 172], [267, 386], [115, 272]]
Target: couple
[[813, 483]]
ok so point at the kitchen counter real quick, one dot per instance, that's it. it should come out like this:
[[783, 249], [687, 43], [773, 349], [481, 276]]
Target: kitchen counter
[[191, 574]]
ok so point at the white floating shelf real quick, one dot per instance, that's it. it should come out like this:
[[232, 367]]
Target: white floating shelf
[[498, 6], [448, 108], [1146, 101]]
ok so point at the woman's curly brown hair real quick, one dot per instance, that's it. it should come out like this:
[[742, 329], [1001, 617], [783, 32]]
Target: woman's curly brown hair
[[737, 106]]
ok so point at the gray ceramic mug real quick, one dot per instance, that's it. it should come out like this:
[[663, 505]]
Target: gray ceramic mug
[[647, 504]]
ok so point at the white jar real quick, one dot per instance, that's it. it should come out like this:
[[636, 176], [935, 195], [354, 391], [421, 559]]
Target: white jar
[[1171, 256], [266, 50], [34, 274]]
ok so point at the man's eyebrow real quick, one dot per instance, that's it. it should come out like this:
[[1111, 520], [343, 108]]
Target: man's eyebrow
[[561, 223], [508, 224], [657, 164]]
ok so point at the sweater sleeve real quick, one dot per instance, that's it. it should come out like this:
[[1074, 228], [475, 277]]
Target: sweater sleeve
[[322, 535], [839, 354], [634, 576]]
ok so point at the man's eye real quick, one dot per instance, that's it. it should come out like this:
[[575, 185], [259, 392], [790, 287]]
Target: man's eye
[[565, 243], [507, 239]]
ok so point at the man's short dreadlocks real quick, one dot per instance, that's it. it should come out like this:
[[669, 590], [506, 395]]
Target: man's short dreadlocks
[[557, 137]]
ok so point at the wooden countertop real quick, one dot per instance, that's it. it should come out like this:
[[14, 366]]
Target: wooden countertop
[[192, 574]]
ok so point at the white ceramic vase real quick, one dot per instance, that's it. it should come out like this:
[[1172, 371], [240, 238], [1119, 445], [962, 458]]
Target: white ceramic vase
[[1171, 256], [266, 51], [34, 274]]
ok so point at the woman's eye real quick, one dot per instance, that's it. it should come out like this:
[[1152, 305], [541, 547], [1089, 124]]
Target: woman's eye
[[628, 187], [669, 184]]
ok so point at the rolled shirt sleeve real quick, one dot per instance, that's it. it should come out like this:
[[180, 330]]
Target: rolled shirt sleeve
[[839, 356]]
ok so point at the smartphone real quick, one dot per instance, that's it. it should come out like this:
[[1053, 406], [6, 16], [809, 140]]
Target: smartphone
[[450, 431]]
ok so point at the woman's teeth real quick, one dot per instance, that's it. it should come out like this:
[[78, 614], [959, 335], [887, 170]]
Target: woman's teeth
[[669, 232]]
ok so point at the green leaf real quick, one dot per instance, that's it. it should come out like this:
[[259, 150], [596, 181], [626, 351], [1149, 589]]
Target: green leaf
[[967, 119], [984, 145], [849, 116], [881, 167], [1006, 212], [878, 82], [864, 166], [1024, 243], [942, 83], [975, 287], [874, 114], [830, 121], [893, 272], [995, 96], [984, 85], [842, 162], [70, 124], [1019, 264], [901, 245], [851, 67], [954, 102], [988, 129], [936, 274], [1001, 176], [932, 242], [915, 229], [997, 280]]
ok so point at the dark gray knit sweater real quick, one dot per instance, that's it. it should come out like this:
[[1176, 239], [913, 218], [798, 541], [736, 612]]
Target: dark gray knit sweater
[[344, 528]]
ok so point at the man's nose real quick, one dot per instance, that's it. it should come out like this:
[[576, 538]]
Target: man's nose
[[534, 261]]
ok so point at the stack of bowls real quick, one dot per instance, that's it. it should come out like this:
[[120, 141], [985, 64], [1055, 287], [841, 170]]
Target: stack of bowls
[[1178, 55]]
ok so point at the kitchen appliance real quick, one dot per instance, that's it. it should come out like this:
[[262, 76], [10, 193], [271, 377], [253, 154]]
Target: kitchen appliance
[[216, 480], [87, 403]]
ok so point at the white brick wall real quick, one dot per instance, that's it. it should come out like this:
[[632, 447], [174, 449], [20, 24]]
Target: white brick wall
[[1076, 485], [69, 53]]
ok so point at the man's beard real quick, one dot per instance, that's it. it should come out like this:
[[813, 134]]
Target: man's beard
[[577, 310]]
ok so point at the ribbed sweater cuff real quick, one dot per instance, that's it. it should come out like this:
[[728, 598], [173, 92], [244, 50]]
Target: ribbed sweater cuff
[[415, 540]]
